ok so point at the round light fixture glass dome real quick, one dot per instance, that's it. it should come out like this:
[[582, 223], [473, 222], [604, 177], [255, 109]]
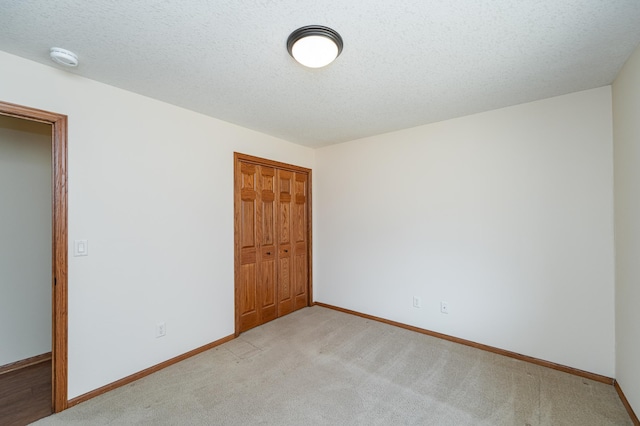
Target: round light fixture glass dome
[[314, 46]]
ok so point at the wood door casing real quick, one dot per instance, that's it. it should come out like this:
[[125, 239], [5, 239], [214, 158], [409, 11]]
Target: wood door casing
[[272, 240], [59, 288]]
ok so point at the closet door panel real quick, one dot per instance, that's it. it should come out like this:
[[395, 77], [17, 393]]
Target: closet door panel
[[268, 249], [285, 288], [284, 206], [300, 279], [272, 253], [247, 280], [300, 240], [285, 273], [248, 292], [267, 290]]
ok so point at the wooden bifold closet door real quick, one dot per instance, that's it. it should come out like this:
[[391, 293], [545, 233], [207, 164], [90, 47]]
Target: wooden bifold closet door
[[272, 240]]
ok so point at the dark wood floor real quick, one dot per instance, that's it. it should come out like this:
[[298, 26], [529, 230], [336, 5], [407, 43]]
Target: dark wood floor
[[25, 394]]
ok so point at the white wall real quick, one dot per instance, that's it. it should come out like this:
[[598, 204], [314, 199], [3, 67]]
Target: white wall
[[25, 239], [506, 215], [626, 131], [151, 188]]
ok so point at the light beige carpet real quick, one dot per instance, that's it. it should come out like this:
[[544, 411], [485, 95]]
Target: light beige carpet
[[322, 367]]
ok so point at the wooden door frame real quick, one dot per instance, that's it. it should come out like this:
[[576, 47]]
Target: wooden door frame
[[59, 302], [236, 228]]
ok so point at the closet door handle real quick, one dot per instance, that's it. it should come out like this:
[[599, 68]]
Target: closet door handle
[[268, 253], [286, 251]]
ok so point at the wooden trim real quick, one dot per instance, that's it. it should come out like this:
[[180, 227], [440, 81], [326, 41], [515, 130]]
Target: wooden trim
[[153, 369], [310, 242], [31, 114], [237, 157], [60, 288], [269, 163], [24, 363], [532, 360], [59, 299], [626, 404], [236, 245]]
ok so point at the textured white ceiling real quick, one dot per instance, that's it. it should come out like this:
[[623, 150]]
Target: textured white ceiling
[[404, 63]]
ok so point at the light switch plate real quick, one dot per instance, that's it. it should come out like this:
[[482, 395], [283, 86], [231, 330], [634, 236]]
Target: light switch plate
[[80, 248]]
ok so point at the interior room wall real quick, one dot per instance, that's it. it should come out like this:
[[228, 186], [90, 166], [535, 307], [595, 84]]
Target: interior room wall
[[25, 239], [626, 131], [505, 215], [151, 189]]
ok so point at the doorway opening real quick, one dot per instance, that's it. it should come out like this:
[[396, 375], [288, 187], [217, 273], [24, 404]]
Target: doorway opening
[[58, 124]]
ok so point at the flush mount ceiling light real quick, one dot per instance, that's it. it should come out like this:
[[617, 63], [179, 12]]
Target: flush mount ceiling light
[[63, 57], [314, 46]]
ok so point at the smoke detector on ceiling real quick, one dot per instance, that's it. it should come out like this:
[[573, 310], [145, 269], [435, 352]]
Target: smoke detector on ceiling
[[63, 57]]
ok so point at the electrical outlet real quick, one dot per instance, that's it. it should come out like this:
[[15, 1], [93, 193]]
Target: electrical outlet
[[161, 329], [444, 307], [417, 302]]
